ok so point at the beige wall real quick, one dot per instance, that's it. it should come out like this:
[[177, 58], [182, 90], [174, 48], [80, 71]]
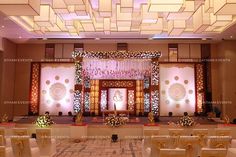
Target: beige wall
[[224, 76], [7, 78], [29, 53]]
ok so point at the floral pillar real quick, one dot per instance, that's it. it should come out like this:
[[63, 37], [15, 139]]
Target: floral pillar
[[86, 94], [34, 89], [78, 94], [199, 88], [155, 86]]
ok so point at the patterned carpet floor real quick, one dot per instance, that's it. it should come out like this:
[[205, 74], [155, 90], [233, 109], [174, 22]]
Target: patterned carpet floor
[[98, 148]]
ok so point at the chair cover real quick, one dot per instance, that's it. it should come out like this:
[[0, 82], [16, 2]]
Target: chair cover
[[175, 134], [202, 134], [219, 141], [159, 142], [21, 147], [6, 152], [46, 144], [190, 144]]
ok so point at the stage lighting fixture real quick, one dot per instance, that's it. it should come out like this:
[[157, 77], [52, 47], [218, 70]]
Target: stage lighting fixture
[[60, 113], [70, 113], [114, 137]]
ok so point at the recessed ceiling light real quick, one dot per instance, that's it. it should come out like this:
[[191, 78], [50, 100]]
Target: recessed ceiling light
[[3, 26]]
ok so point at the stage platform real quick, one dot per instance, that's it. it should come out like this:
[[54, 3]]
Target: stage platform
[[99, 120], [94, 127]]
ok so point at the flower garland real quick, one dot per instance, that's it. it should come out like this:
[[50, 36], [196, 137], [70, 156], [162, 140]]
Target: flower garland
[[186, 121], [115, 121], [116, 54], [44, 121]]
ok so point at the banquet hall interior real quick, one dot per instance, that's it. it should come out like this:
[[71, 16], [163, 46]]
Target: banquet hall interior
[[117, 78]]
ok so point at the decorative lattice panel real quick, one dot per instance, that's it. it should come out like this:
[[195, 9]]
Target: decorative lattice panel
[[131, 100], [103, 99]]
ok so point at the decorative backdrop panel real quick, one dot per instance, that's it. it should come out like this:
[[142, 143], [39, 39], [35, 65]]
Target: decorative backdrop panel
[[177, 89], [117, 97], [56, 87]]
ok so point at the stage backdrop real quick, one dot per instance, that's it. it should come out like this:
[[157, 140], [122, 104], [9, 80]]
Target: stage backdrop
[[56, 87], [177, 89]]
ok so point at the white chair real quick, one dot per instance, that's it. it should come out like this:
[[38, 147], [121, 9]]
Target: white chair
[[219, 141], [21, 147], [222, 131], [46, 143], [159, 142], [190, 144], [202, 134], [208, 152], [6, 152], [172, 153], [23, 132], [175, 134]]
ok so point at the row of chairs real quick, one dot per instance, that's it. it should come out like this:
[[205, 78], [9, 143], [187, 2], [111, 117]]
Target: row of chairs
[[20, 144], [183, 153], [198, 144], [202, 132]]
